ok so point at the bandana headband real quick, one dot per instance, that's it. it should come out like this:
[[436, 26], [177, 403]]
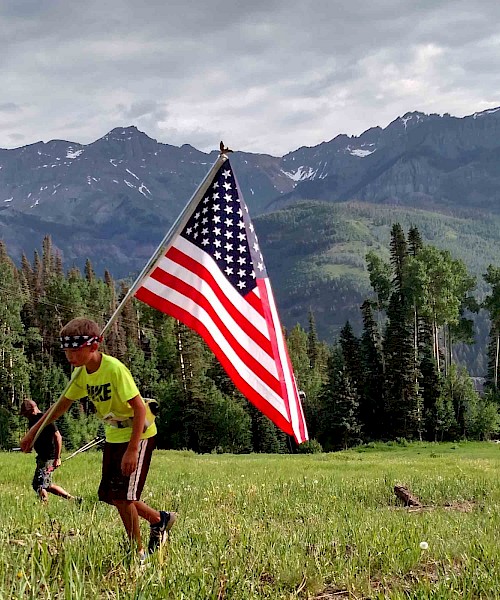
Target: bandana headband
[[78, 341]]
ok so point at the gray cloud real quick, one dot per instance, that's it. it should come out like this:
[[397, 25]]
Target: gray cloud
[[266, 75]]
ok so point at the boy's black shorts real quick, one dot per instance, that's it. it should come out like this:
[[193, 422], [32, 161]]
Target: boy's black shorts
[[42, 479], [114, 484]]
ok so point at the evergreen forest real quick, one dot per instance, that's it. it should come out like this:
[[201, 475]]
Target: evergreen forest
[[398, 380]]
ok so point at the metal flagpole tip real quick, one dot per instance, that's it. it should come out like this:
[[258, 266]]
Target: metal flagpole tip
[[223, 150]]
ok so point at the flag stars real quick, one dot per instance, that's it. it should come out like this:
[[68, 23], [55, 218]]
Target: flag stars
[[219, 227]]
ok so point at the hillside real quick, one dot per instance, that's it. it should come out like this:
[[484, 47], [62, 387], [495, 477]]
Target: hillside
[[315, 256]]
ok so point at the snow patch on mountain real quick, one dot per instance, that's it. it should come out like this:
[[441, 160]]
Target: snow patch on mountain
[[360, 151], [73, 153], [301, 173]]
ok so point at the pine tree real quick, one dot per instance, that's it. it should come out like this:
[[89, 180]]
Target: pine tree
[[312, 341], [340, 407], [14, 369], [403, 406], [492, 304], [115, 340], [89, 271], [372, 395]]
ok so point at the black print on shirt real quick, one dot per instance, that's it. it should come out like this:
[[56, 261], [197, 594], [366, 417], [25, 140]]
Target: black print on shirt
[[99, 393]]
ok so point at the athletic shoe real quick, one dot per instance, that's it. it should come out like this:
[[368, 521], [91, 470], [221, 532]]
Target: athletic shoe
[[158, 532]]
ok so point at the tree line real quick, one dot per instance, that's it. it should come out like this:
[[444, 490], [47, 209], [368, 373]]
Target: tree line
[[397, 380]]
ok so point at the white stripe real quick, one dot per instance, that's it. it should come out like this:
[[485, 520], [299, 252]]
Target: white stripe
[[190, 306], [291, 387], [133, 482]]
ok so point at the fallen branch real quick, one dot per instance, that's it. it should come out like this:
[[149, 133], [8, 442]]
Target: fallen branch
[[404, 494]]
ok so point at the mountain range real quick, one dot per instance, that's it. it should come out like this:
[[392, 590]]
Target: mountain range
[[113, 200]]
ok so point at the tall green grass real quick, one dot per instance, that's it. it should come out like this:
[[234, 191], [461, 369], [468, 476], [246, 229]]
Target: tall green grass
[[265, 526]]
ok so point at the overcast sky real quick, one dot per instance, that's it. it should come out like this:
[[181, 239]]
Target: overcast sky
[[262, 75]]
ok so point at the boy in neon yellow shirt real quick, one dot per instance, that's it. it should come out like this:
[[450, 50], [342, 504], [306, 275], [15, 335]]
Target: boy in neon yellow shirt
[[129, 425]]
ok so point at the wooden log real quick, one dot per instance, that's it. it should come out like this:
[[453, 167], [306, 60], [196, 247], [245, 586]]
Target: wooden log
[[404, 494]]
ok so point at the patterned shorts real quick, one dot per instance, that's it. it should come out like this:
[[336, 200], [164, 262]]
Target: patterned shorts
[[42, 479]]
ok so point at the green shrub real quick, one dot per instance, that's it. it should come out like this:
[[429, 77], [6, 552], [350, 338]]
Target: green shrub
[[310, 447]]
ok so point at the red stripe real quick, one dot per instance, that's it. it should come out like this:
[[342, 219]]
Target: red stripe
[[255, 302], [189, 263], [164, 305], [242, 384]]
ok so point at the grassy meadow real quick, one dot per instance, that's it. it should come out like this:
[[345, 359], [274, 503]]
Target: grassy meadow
[[322, 526]]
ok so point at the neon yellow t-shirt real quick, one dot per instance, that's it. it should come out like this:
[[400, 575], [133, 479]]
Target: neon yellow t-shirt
[[109, 389]]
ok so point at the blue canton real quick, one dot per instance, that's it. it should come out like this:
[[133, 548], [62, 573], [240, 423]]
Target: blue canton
[[220, 226]]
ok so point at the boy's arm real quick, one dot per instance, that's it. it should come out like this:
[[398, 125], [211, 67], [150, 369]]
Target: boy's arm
[[28, 440], [129, 460], [58, 446]]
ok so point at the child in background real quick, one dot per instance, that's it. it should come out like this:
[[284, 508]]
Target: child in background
[[48, 454]]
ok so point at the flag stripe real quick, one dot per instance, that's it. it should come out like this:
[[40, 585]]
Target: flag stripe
[[204, 292], [250, 355], [206, 280], [290, 392], [182, 310]]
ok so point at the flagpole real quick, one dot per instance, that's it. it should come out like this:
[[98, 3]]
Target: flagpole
[[179, 223]]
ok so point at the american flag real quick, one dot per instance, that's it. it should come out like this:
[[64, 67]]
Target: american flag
[[212, 278]]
